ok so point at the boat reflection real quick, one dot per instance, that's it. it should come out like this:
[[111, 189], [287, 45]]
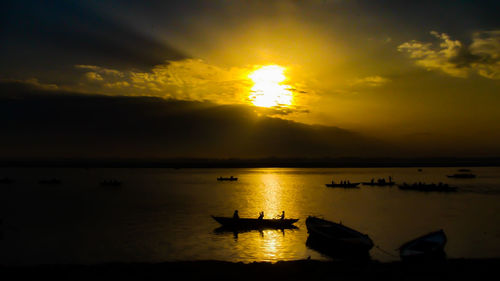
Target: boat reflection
[[236, 231], [336, 253]]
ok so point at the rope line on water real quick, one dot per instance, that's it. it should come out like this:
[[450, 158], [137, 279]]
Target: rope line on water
[[385, 252]]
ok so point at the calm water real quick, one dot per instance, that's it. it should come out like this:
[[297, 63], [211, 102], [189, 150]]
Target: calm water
[[164, 214]]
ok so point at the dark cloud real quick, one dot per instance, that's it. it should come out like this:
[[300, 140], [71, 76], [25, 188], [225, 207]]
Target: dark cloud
[[39, 123], [60, 34], [45, 39]]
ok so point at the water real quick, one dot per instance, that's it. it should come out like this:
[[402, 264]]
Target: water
[[164, 214]]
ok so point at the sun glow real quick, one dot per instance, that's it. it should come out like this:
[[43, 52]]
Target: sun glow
[[268, 89]]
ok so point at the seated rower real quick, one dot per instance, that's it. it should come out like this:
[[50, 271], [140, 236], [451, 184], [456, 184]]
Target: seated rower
[[261, 215], [235, 215]]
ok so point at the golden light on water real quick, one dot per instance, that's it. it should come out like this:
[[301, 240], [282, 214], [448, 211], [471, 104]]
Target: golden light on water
[[268, 89], [274, 198]]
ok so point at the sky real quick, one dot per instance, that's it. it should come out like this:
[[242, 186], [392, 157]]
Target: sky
[[250, 78]]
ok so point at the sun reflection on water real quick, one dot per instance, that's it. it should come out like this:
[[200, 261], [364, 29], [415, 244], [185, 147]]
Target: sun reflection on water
[[272, 245], [271, 196]]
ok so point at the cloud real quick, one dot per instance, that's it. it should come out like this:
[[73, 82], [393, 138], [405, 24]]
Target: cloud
[[32, 83], [101, 70], [93, 76], [370, 81], [186, 79], [453, 57], [486, 47]]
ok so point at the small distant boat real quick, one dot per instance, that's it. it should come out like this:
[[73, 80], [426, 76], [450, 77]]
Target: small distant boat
[[440, 187], [380, 182], [420, 170], [231, 178], [50, 181], [111, 183], [6, 181], [336, 236], [462, 176], [343, 184], [429, 246], [251, 223]]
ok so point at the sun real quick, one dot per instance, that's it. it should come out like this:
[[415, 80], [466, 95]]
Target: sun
[[268, 89]]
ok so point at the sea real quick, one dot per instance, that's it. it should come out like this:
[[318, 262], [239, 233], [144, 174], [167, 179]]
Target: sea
[[160, 215]]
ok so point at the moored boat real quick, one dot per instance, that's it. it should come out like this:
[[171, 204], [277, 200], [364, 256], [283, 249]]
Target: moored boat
[[462, 176], [251, 223], [337, 237], [429, 246], [231, 178]]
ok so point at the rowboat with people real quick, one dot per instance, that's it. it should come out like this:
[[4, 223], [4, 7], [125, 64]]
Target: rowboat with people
[[344, 184], [380, 182], [231, 178], [255, 223], [427, 187]]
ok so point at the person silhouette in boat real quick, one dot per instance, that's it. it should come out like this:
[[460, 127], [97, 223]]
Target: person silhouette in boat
[[261, 215], [282, 217], [235, 215]]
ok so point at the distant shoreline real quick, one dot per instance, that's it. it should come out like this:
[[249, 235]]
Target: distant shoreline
[[452, 269], [178, 163]]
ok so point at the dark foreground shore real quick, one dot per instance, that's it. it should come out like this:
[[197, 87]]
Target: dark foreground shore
[[453, 269]]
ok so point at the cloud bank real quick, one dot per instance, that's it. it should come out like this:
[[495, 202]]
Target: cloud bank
[[481, 56], [42, 123]]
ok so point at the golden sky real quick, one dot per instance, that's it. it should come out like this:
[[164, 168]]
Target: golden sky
[[423, 72]]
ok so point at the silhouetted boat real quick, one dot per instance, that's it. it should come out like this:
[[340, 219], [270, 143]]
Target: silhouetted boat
[[428, 187], [344, 184], [6, 181], [337, 237], [231, 178], [429, 246], [111, 183], [50, 181], [462, 176], [336, 252], [250, 223], [380, 182]]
